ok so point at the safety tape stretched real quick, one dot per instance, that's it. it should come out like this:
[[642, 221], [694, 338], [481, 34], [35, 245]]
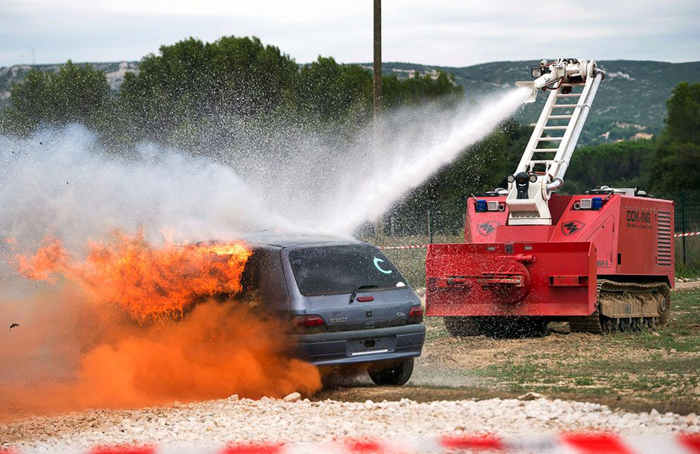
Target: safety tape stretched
[[413, 246], [421, 246], [567, 443]]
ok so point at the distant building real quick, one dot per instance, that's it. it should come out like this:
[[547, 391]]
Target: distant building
[[642, 136]]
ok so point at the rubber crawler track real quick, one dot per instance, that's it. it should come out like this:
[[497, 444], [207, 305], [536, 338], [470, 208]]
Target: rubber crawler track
[[595, 322]]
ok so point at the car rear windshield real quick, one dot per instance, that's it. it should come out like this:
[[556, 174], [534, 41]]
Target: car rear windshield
[[329, 270]]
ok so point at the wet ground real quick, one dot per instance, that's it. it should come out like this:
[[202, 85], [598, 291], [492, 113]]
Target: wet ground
[[633, 371]]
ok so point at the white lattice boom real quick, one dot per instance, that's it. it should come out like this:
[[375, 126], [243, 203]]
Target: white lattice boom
[[573, 85]]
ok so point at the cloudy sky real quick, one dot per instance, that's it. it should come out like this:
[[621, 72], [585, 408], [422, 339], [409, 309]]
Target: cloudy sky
[[438, 32]]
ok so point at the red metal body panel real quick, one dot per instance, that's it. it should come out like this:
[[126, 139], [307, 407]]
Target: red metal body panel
[[560, 279], [550, 270], [633, 236]]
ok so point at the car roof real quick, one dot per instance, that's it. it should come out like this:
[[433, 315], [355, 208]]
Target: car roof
[[284, 240]]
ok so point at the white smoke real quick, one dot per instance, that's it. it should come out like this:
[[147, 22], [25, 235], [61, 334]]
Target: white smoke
[[65, 185]]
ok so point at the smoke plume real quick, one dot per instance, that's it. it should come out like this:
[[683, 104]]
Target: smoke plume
[[107, 319]]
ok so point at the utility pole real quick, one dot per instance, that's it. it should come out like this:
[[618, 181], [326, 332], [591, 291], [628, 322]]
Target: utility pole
[[377, 98], [377, 61]]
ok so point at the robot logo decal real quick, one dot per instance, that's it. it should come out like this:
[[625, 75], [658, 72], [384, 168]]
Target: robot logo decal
[[571, 227], [377, 261], [487, 228]]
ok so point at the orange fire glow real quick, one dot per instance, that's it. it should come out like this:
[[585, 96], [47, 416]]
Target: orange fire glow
[[147, 282], [200, 348]]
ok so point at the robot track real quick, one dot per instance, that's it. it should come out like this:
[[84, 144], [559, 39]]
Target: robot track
[[625, 306]]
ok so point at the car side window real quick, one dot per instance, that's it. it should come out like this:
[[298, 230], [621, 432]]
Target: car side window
[[262, 283]]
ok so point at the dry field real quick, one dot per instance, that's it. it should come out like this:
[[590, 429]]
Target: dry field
[[639, 372], [626, 383]]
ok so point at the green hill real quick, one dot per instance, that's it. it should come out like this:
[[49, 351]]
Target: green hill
[[630, 101], [632, 98]]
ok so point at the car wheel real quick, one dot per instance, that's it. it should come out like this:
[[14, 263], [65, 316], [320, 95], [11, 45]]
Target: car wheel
[[393, 373]]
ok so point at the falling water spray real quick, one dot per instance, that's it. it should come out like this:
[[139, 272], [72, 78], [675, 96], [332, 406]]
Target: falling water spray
[[62, 185]]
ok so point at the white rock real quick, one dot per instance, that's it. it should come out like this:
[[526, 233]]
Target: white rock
[[531, 396], [293, 397], [218, 422]]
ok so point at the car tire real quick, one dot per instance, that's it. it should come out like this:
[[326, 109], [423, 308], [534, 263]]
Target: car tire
[[393, 373]]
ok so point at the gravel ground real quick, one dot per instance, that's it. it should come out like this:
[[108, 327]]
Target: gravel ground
[[228, 420], [239, 420]]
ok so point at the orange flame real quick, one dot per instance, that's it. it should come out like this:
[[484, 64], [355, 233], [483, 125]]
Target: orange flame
[[214, 351], [147, 282]]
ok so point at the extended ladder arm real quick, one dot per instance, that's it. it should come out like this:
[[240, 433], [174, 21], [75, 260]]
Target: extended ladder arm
[[542, 168]]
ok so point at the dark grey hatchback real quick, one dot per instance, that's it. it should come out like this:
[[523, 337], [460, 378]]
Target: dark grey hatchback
[[348, 304]]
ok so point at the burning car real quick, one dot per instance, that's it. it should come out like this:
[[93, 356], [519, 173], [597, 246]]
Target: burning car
[[347, 303]]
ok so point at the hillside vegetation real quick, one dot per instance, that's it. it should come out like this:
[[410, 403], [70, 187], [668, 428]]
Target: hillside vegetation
[[238, 94], [631, 101], [202, 96]]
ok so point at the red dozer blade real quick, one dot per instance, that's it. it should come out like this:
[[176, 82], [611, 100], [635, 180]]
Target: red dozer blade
[[511, 279]]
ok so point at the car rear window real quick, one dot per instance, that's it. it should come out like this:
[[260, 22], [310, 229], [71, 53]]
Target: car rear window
[[329, 270]]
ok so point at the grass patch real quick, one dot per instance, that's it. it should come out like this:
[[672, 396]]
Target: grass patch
[[435, 329], [650, 367], [584, 381]]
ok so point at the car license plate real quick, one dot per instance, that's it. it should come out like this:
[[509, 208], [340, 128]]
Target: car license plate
[[369, 346]]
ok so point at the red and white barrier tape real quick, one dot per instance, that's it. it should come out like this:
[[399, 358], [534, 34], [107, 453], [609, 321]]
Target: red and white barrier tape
[[413, 246], [421, 246], [594, 443], [678, 235]]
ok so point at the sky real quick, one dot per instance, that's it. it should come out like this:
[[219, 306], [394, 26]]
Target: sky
[[446, 33]]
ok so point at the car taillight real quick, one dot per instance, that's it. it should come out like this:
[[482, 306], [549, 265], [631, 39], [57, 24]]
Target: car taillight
[[415, 315], [308, 321]]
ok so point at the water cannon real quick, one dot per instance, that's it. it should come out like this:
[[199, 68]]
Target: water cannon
[[550, 76]]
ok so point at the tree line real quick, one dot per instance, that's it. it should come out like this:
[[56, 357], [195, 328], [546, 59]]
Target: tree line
[[196, 86], [195, 95]]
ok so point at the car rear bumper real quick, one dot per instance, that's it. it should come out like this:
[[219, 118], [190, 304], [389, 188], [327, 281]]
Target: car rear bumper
[[361, 346]]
